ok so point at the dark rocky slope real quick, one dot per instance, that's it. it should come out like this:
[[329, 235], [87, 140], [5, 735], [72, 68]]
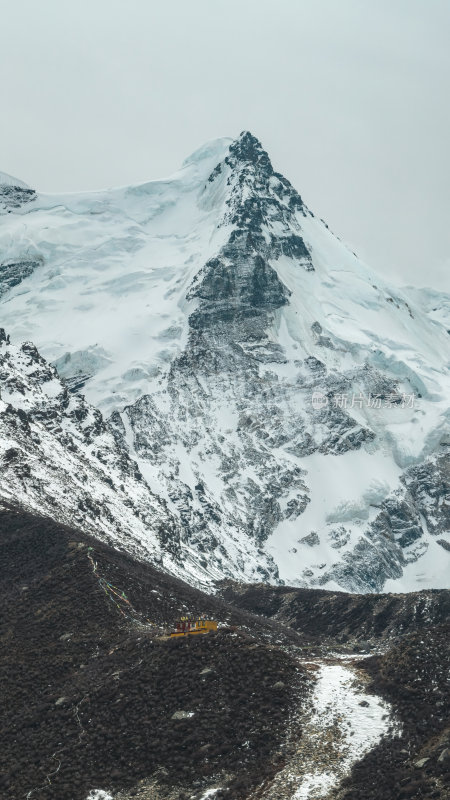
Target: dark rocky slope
[[341, 618], [97, 697], [92, 688]]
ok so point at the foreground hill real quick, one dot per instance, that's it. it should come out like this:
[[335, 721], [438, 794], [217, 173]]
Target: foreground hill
[[100, 704], [95, 696]]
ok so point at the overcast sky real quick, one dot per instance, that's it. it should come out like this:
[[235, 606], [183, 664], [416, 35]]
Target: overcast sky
[[349, 97]]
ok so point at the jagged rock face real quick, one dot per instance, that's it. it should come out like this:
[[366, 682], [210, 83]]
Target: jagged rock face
[[13, 273], [59, 457], [429, 485], [14, 194], [239, 290], [253, 367], [12, 198], [227, 370]]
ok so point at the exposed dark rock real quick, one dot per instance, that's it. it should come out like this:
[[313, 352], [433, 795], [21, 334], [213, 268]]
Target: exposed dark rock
[[12, 273], [312, 539], [429, 486], [12, 198]]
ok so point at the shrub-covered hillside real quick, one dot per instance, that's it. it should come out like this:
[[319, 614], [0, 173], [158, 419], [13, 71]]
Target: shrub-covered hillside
[[95, 696]]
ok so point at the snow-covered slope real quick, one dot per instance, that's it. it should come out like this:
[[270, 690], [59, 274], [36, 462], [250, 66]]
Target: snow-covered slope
[[106, 277], [60, 458], [275, 392], [436, 304], [8, 181]]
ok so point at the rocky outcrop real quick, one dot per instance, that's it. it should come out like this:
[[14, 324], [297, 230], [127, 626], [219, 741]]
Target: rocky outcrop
[[14, 272], [429, 486], [14, 194]]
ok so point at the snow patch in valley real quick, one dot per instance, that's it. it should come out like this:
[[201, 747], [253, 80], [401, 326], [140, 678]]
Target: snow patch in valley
[[339, 722]]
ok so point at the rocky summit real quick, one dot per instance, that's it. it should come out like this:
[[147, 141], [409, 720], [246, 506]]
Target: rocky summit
[[222, 382]]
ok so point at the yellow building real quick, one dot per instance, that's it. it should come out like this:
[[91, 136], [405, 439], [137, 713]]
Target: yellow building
[[189, 627]]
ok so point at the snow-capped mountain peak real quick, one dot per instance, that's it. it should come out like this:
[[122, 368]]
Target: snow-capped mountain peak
[[276, 393]]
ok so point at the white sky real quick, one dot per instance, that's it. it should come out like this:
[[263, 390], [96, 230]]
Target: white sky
[[349, 97]]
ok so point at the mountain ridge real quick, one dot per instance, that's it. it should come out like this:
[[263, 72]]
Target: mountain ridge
[[205, 315]]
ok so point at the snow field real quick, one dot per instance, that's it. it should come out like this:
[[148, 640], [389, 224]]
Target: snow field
[[355, 729]]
